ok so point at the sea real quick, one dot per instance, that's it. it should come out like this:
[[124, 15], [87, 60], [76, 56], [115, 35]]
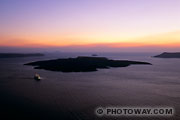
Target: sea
[[77, 95]]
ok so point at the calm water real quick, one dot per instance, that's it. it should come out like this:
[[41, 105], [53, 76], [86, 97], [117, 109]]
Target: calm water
[[76, 95]]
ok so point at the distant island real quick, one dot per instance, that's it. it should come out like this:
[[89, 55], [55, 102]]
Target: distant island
[[169, 55], [82, 64], [94, 55], [15, 55]]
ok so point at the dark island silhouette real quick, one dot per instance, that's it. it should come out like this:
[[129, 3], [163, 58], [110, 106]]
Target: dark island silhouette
[[15, 55], [82, 64], [169, 55], [94, 55]]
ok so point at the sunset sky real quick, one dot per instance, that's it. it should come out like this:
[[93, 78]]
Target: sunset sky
[[112, 23]]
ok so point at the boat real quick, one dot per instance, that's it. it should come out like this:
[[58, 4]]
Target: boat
[[37, 77]]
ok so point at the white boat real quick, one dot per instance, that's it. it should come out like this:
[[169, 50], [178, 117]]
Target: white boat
[[37, 77]]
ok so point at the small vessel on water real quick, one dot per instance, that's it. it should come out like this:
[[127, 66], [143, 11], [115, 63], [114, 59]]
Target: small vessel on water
[[37, 77]]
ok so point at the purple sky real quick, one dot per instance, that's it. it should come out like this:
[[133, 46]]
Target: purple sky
[[74, 22]]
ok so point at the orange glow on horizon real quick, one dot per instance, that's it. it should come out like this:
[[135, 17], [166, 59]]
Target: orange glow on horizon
[[171, 39], [111, 45], [90, 23]]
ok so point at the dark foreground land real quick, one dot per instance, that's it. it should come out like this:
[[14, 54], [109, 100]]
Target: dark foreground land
[[82, 64], [15, 55], [169, 55]]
